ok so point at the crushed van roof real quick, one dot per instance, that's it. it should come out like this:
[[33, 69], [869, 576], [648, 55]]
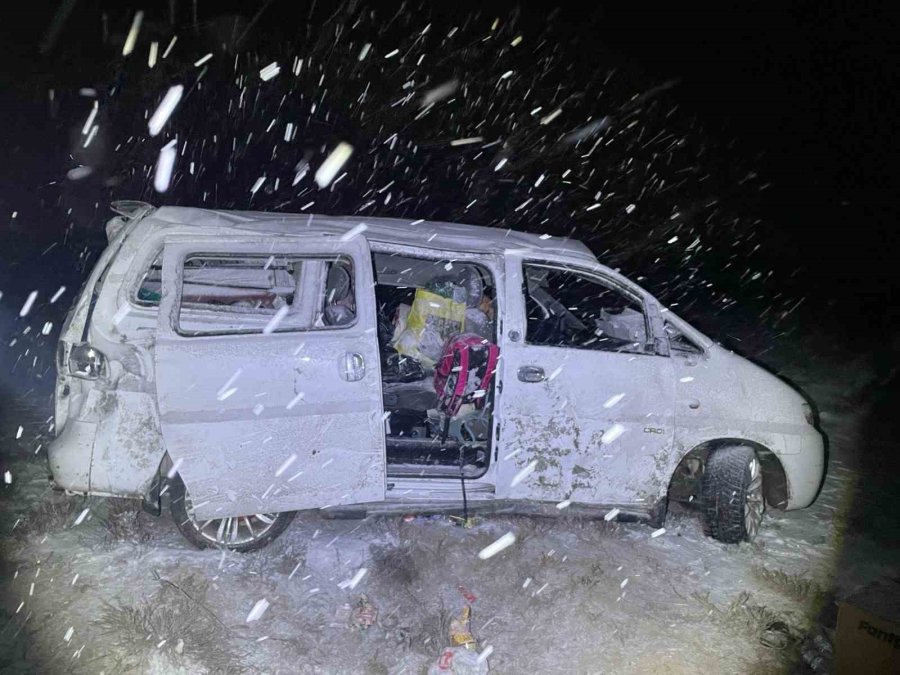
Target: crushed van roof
[[425, 233]]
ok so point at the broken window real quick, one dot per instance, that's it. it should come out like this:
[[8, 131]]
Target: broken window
[[224, 293], [337, 306], [679, 343], [149, 290], [257, 285], [565, 308]]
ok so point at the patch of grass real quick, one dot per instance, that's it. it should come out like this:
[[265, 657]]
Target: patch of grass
[[278, 558], [433, 632], [412, 574], [24, 649], [412, 561], [133, 632], [530, 527], [795, 586], [388, 527], [593, 576], [375, 667], [53, 513], [395, 564], [123, 521], [742, 615]]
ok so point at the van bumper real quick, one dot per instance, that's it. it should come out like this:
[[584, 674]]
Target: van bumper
[[804, 467], [69, 456]]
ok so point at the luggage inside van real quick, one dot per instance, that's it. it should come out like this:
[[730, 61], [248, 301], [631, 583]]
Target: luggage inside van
[[433, 316]]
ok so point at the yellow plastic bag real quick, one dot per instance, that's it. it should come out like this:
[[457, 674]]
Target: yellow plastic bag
[[432, 319], [460, 633]]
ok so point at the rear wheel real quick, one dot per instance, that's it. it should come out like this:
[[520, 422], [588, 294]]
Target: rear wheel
[[240, 533], [733, 501]]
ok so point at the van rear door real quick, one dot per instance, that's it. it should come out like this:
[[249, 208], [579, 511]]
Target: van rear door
[[267, 401]]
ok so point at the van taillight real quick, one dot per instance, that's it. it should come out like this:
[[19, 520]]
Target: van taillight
[[86, 362], [60, 355]]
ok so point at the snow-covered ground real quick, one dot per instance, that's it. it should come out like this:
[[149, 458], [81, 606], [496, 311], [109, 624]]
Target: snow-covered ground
[[123, 592]]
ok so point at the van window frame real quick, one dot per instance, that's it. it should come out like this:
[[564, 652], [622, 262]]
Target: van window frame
[[602, 279], [700, 341], [304, 271], [142, 271], [493, 261]]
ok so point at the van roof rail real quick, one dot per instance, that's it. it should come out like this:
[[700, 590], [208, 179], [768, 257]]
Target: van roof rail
[[128, 211], [130, 208]]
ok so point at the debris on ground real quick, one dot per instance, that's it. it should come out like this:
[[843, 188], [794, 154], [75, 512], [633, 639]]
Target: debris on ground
[[467, 594], [460, 632], [818, 653], [411, 518], [467, 523], [364, 614], [459, 661], [778, 635]]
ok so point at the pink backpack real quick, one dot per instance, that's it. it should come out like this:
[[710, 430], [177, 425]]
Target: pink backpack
[[464, 371]]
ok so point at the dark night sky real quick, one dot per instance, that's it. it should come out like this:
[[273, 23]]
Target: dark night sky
[[806, 89], [813, 87], [802, 92]]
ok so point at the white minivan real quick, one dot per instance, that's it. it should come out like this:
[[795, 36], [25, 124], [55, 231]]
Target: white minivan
[[241, 366]]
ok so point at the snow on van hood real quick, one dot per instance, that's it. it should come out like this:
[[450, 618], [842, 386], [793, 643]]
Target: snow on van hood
[[738, 388]]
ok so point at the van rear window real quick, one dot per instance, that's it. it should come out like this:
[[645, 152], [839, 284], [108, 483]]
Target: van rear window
[[253, 285], [223, 293], [225, 281], [148, 291]]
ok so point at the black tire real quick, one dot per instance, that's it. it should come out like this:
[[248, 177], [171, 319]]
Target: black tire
[[733, 502], [179, 507]]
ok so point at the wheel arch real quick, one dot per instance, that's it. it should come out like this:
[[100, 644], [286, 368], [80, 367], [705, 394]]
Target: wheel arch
[[690, 469], [155, 491]]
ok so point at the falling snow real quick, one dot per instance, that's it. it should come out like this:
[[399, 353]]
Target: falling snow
[[479, 121]]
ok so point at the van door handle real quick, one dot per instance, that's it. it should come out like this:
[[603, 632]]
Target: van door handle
[[531, 374], [353, 367]]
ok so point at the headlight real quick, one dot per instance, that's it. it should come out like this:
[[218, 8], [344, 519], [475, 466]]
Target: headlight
[[86, 362]]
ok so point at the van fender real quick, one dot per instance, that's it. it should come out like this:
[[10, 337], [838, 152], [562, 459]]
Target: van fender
[[689, 469], [128, 447]]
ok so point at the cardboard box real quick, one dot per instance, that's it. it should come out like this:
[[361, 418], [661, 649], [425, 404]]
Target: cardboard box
[[868, 631]]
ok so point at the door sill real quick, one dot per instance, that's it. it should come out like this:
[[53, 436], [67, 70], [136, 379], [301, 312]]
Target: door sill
[[433, 471], [404, 499], [411, 490]]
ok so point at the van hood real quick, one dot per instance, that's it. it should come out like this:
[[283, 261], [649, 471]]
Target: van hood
[[746, 391]]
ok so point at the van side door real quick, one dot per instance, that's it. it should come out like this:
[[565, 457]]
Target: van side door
[[588, 389], [267, 373]]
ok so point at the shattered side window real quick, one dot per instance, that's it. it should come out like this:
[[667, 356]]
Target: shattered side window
[[255, 284], [679, 343], [337, 305], [150, 288], [239, 293], [565, 308], [242, 293]]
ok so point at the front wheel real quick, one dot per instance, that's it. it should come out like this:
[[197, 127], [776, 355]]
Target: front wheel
[[239, 533], [732, 488]]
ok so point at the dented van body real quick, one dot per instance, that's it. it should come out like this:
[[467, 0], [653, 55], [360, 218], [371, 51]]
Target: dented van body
[[244, 354]]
